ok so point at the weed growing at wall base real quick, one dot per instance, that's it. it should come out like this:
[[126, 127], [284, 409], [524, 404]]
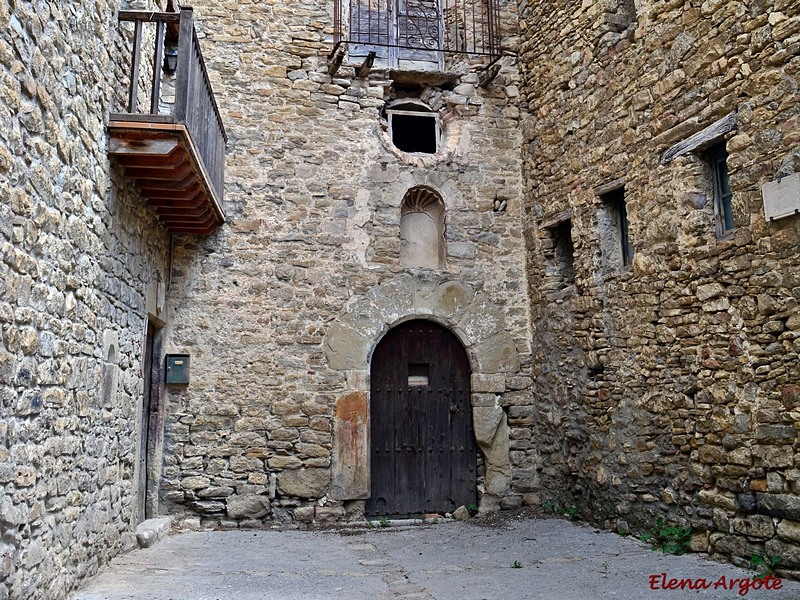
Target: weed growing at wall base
[[765, 564], [670, 539]]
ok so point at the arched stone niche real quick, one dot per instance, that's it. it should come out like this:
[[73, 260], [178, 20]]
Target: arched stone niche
[[480, 327], [422, 215]]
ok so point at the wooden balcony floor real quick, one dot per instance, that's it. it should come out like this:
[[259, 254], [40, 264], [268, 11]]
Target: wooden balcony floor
[[166, 167]]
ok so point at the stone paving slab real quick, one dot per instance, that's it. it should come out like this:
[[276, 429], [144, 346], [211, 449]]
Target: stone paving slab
[[446, 561]]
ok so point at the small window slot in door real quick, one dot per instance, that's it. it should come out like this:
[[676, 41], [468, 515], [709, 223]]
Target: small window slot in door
[[418, 374]]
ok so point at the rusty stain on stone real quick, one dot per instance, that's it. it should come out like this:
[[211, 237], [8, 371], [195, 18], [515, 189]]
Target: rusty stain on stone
[[352, 407]]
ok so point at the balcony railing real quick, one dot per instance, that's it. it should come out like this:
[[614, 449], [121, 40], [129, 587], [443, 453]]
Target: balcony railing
[[171, 140], [413, 33]]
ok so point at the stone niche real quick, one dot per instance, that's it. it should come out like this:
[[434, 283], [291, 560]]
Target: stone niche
[[480, 327], [422, 229]]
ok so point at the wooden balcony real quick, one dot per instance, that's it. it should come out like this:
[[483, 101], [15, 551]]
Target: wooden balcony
[[173, 149]]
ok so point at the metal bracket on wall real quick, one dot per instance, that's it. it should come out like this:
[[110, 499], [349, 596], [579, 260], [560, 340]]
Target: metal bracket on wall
[[336, 61], [364, 68]]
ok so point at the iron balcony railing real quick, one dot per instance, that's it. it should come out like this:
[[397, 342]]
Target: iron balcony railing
[[417, 30]]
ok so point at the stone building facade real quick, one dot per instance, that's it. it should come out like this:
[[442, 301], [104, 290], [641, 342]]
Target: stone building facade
[[667, 387], [281, 311], [631, 327], [79, 253]]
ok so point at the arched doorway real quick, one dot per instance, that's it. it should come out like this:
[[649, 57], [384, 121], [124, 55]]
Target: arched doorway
[[423, 451]]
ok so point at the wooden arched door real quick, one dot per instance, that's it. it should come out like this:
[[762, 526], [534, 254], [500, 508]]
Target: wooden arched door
[[423, 452]]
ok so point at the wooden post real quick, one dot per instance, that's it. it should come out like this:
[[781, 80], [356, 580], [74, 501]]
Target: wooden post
[[183, 74], [137, 56], [157, 64]]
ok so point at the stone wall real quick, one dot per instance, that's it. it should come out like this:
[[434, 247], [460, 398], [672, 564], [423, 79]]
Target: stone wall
[[668, 388], [79, 248], [314, 188]]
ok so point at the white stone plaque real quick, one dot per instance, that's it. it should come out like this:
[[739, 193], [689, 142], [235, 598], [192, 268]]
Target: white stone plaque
[[781, 198]]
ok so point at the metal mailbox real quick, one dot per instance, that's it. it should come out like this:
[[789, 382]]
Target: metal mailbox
[[177, 370]]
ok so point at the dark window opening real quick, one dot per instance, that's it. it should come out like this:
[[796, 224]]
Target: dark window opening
[[414, 133], [617, 212], [418, 374], [717, 157], [564, 251]]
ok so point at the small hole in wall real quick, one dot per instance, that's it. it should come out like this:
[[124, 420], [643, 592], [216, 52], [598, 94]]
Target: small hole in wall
[[499, 205]]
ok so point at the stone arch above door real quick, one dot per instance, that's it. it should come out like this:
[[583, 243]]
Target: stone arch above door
[[493, 357]]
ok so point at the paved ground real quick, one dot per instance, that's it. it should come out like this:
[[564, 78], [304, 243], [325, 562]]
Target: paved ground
[[448, 561]]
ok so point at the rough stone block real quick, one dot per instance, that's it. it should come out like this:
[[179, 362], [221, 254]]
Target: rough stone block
[[284, 462], [304, 514], [329, 514], [304, 483], [747, 502], [485, 423], [774, 457], [789, 530], [152, 530], [461, 514], [497, 354], [247, 507], [722, 500], [488, 383], [345, 348], [511, 502], [350, 461], [448, 300], [776, 434], [779, 505], [481, 321], [758, 526]]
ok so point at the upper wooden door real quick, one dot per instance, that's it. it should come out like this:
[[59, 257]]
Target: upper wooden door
[[423, 451]]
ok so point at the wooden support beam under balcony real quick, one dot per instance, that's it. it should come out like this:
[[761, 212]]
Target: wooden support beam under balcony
[[174, 151], [162, 161]]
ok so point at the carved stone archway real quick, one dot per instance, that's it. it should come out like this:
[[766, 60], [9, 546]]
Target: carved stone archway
[[480, 327]]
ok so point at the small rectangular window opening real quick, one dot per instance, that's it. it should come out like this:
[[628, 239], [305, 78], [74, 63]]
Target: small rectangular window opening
[[414, 132], [564, 251], [418, 374], [617, 215], [718, 160]]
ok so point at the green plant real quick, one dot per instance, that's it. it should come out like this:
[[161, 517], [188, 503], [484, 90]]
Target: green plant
[[670, 539], [384, 522], [549, 506], [572, 513], [370, 524], [765, 565], [472, 509], [516, 565]]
